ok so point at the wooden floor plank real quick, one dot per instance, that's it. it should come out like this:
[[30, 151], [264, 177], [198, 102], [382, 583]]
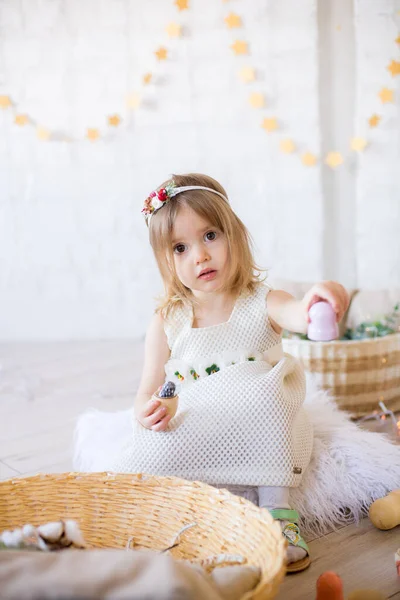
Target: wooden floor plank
[[7, 472], [362, 556]]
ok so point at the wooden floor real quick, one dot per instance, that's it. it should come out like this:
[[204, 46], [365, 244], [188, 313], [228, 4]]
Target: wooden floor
[[44, 387]]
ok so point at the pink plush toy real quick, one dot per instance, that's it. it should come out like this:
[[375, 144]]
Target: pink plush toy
[[323, 326]]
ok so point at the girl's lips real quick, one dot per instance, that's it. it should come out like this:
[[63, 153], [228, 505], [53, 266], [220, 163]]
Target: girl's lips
[[208, 275]]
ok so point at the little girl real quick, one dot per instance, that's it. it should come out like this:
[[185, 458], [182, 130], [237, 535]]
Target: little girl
[[217, 334]]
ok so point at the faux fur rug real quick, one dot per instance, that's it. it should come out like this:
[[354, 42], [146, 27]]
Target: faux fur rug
[[349, 468]]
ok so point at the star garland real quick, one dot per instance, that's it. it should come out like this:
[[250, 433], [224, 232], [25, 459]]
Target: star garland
[[270, 124], [113, 121], [247, 75]]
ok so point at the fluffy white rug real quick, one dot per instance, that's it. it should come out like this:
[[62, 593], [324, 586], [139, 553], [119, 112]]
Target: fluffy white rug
[[349, 468]]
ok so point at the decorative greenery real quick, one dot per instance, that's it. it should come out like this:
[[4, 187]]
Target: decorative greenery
[[370, 329], [212, 369], [388, 324]]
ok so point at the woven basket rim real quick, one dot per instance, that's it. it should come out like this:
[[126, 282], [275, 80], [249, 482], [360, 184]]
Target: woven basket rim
[[365, 341], [152, 480], [148, 478]]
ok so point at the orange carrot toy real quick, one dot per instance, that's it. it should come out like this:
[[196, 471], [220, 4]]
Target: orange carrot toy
[[329, 587]]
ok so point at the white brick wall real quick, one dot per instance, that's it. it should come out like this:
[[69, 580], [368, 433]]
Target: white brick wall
[[74, 260], [377, 231]]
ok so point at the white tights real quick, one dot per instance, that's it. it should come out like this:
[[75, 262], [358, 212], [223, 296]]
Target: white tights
[[278, 497], [273, 497]]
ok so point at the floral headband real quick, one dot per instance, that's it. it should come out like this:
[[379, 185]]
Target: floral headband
[[157, 199]]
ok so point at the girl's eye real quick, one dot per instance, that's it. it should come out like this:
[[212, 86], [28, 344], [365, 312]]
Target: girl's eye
[[210, 236], [179, 248]]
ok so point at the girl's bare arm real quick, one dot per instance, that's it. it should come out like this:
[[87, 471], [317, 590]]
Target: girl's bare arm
[[156, 355]]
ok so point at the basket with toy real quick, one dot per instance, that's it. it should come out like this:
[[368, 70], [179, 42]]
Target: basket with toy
[[360, 369]]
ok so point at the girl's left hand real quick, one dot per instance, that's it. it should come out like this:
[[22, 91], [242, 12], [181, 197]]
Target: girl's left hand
[[330, 291]]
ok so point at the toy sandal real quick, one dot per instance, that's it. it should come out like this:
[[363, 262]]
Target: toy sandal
[[293, 536]]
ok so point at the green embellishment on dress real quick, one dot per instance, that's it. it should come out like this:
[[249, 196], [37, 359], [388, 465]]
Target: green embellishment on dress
[[213, 369], [179, 376], [194, 374], [251, 358]]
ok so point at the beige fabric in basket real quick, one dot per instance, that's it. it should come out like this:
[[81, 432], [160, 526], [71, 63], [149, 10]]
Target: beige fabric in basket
[[118, 574]]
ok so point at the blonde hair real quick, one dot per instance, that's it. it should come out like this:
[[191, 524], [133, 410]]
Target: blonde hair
[[243, 274]]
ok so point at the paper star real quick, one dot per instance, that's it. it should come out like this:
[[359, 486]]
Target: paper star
[[174, 30], [21, 120], [182, 4], [133, 101], [308, 159], [42, 133], [161, 53], [334, 159], [257, 100], [233, 20], [270, 124], [287, 146], [358, 144], [92, 134], [394, 68], [5, 101], [397, 40], [386, 95], [147, 77], [247, 74], [374, 120], [239, 47], [114, 120]]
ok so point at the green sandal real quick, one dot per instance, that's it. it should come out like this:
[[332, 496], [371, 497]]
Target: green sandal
[[292, 533]]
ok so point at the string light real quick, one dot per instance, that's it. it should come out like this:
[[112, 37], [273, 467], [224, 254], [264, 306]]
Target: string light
[[382, 416]]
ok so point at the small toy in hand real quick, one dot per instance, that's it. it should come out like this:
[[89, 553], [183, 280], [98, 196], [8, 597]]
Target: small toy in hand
[[167, 390], [168, 397], [323, 326], [385, 512]]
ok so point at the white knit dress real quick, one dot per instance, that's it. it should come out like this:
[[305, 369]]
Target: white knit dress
[[240, 418]]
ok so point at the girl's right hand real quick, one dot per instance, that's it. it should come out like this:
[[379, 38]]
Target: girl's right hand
[[153, 415]]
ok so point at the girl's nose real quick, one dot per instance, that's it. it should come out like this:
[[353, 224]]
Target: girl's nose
[[202, 255]]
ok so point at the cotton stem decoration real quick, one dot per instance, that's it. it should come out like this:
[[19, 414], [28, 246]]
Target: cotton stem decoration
[[48, 537]]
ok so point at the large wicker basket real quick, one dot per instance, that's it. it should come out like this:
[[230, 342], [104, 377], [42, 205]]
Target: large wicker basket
[[112, 508], [358, 373]]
